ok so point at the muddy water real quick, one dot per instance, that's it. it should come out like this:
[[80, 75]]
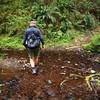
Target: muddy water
[[61, 76]]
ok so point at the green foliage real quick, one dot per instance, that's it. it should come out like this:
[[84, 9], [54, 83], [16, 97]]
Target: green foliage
[[59, 38], [51, 39], [65, 24], [85, 5], [94, 45], [14, 16], [89, 21], [11, 42], [54, 17], [62, 14], [44, 14], [65, 5], [17, 24]]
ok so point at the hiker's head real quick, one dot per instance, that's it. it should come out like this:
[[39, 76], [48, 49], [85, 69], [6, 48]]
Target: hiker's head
[[33, 23]]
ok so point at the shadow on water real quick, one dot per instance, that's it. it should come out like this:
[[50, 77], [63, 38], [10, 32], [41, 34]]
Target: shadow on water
[[61, 76]]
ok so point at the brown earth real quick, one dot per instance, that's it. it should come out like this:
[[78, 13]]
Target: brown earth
[[61, 76]]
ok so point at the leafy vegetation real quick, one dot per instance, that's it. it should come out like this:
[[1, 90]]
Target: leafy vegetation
[[54, 17], [11, 42], [54, 39], [94, 45]]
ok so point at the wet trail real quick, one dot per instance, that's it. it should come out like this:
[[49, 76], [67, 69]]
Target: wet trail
[[61, 76]]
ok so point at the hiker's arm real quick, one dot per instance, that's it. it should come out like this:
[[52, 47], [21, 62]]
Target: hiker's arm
[[41, 38]]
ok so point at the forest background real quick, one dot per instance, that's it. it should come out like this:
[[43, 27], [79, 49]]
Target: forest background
[[61, 21]]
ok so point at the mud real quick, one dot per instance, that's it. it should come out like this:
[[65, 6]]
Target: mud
[[61, 76]]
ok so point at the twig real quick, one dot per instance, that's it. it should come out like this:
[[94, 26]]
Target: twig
[[89, 78]]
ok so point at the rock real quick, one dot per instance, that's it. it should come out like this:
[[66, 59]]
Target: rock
[[68, 62], [63, 67], [49, 82], [51, 93], [62, 73], [70, 96], [92, 71], [76, 64], [97, 59], [59, 59]]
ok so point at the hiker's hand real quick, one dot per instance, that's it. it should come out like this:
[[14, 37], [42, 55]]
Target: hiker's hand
[[42, 49]]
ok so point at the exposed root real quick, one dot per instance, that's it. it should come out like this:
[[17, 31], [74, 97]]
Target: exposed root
[[76, 75], [71, 75], [61, 84], [91, 79]]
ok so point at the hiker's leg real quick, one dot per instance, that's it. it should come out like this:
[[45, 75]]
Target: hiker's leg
[[34, 68], [36, 60], [36, 55], [32, 62], [31, 56]]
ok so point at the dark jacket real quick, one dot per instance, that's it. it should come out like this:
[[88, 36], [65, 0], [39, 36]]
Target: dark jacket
[[37, 33]]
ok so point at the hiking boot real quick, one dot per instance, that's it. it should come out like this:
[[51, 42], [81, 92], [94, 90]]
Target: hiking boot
[[34, 70]]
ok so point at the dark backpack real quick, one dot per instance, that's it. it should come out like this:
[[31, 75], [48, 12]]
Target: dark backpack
[[32, 41]]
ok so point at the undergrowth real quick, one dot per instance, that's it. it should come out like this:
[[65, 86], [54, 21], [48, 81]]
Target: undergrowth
[[94, 45], [57, 39]]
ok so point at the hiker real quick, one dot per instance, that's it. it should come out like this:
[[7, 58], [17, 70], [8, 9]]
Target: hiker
[[32, 40]]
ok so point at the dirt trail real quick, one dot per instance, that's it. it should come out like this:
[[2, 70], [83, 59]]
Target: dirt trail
[[61, 76]]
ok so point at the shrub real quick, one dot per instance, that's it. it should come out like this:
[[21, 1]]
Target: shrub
[[94, 45], [90, 22]]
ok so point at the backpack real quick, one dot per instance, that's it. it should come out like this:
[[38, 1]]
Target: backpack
[[32, 41]]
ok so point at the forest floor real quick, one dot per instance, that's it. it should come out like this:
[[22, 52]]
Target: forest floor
[[67, 73], [62, 76]]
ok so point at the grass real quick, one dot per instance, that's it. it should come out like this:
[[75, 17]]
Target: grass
[[94, 45], [15, 42], [62, 40], [10, 42]]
